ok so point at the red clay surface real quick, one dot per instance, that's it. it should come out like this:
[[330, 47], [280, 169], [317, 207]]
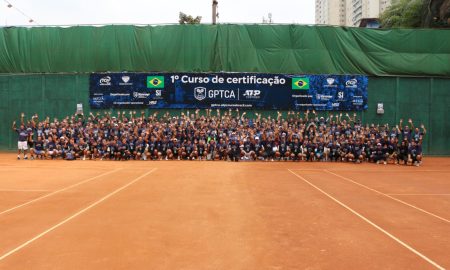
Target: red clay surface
[[220, 215]]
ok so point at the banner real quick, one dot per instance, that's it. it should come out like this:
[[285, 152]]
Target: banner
[[228, 90]]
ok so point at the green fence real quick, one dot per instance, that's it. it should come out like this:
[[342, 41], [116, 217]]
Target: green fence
[[425, 100], [224, 47]]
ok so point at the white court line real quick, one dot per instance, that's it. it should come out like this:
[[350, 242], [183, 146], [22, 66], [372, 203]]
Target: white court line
[[53, 167], [58, 191], [389, 196], [379, 171], [418, 194], [371, 223], [74, 215], [24, 190]]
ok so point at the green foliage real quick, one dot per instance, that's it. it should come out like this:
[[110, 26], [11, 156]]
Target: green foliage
[[188, 19], [404, 14]]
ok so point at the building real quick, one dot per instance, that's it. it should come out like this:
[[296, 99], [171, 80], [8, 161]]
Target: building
[[349, 12], [330, 12]]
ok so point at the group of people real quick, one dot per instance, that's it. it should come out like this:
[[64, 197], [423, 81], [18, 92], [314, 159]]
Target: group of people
[[219, 135]]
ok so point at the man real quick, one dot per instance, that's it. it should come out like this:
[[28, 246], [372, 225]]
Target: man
[[248, 150], [402, 152], [234, 152], [414, 154], [22, 138], [379, 154], [39, 148], [392, 151]]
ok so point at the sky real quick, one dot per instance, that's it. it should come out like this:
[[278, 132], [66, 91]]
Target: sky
[[65, 12]]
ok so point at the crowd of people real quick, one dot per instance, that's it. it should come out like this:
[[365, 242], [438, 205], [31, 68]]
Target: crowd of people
[[219, 135]]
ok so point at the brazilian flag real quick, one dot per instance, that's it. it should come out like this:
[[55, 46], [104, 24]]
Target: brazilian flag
[[155, 81], [300, 83]]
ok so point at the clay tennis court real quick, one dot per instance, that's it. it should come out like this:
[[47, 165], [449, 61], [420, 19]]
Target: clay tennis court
[[221, 215]]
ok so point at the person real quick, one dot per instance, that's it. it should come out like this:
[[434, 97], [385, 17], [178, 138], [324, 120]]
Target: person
[[211, 137], [234, 152], [414, 154], [22, 140], [379, 154], [402, 152], [39, 150]]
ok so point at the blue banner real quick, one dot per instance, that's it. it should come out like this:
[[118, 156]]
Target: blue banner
[[228, 90]]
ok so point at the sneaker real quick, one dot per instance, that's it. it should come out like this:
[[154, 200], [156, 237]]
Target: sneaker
[[25, 157], [378, 162], [84, 158], [18, 157], [385, 163]]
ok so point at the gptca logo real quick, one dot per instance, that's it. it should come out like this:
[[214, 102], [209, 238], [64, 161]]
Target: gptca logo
[[200, 93]]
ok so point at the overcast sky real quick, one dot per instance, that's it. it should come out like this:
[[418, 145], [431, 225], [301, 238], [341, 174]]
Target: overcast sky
[[65, 12]]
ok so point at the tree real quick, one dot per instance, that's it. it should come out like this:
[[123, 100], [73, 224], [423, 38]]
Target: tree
[[188, 19], [404, 13]]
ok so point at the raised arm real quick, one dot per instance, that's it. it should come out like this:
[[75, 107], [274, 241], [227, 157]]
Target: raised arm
[[424, 131], [411, 123], [33, 123], [22, 115]]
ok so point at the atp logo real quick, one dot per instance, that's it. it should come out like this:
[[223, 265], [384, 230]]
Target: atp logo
[[252, 94]]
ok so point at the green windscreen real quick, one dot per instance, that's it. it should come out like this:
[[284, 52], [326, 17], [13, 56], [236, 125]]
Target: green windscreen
[[236, 48], [425, 100]]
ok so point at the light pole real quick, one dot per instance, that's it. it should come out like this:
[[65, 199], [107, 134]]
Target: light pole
[[214, 11]]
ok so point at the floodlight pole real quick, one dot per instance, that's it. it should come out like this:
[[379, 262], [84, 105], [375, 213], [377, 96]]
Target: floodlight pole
[[214, 11]]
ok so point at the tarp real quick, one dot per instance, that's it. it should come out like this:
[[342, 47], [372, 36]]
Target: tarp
[[214, 48]]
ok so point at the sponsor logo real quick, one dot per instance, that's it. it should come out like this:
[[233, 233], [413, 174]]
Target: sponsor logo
[[105, 80], [323, 97], [300, 83], [125, 81], [252, 94], [336, 104], [98, 94], [200, 93], [119, 94], [302, 96], [353, 83], [152, 102], [98, 100], [140, 95], [155, 81], [357, 102], [330, 82], [158, 93]]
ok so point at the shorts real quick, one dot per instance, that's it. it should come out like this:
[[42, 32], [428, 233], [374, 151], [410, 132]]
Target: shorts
[[22, 145], [39, 152]]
